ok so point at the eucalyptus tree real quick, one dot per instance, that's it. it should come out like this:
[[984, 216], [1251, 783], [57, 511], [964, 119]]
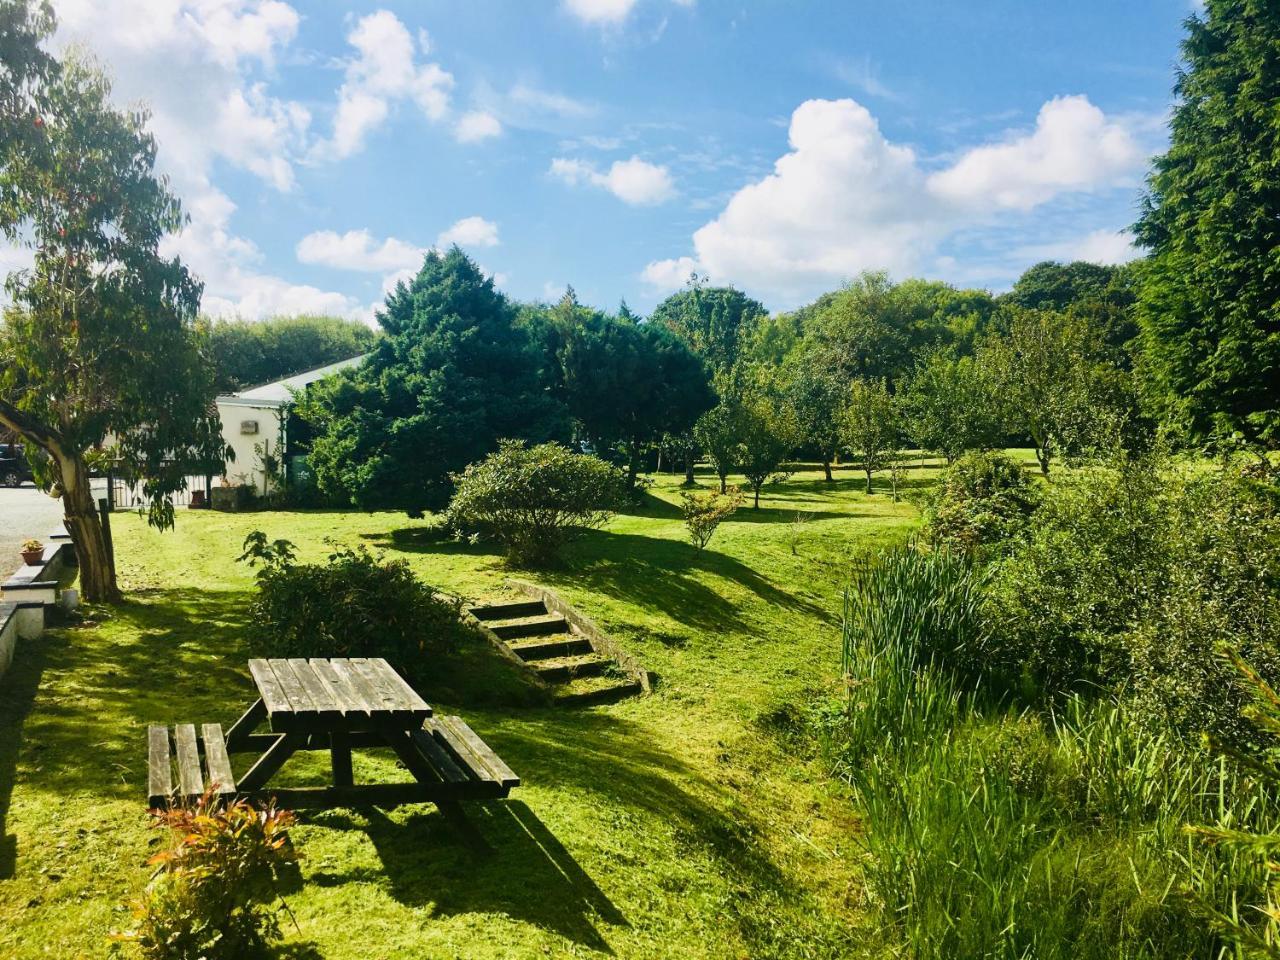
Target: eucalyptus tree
[[100, 353]]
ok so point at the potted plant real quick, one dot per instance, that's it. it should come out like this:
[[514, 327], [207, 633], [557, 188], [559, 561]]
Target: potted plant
[[32, 552]]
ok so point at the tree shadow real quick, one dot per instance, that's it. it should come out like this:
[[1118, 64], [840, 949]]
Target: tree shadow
[[661, 574], [17, 694]]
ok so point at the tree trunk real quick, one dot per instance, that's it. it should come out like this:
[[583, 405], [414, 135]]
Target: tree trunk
[[826, 467], [689, 480], [723, 486], [97, 570], [756, 488], [1043, 455], [633, 456], [868, 480]]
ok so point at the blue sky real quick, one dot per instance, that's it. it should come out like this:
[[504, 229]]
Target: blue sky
[[620, 144]]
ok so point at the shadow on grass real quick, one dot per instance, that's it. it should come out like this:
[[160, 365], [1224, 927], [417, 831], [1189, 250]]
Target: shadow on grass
[[17, 694], [609, 764], [663, 575]]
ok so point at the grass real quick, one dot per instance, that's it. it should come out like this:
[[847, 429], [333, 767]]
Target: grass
[[678, 825]]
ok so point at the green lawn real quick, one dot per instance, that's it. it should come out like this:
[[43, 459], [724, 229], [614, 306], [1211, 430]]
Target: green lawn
[[685, 824]]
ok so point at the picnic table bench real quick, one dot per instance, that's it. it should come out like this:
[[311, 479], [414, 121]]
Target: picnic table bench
[[336, 705]]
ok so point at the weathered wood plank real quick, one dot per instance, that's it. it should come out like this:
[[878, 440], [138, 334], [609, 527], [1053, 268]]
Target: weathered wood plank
[[300, 702], [359, 693], [460, 751], [321, 694], [345, 698], [380, 795], [439, 758], [159, 767], [398, 685], [190, 783], [273, 695], [243, 727], [217, 763], [270, 762], [501, 772], [389, 699]]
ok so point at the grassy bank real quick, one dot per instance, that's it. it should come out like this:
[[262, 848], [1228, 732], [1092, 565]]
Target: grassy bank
[[687, 824]]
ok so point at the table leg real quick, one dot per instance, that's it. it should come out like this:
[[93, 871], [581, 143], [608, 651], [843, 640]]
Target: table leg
[[245, 725], [270, 762], [340, 755]]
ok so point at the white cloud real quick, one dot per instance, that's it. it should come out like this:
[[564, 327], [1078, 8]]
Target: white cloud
[[475, 126], [526, 96], [633, 181], [470, 232], [1073, 147], [384, 70], [845, 199], [600, 11], [1107, 247], [606, 12], [357, 250]]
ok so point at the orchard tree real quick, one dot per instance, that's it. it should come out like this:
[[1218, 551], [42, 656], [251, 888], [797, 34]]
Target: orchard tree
[[1209, 305], [717, 432], [767, 431], [452, 376], [871, 425], [949, 405], [816, 396], [1052, 380], [99, 351]]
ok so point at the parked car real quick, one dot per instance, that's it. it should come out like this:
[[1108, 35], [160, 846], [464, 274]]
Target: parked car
[[14, 469]]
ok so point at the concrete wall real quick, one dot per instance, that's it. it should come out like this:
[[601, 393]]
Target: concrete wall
[[267, 418]]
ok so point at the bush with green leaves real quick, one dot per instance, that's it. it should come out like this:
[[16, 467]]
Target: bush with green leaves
[[215, 893], [354, 605], [1130, 574], [532, 500], [704, 512], [984, 498]]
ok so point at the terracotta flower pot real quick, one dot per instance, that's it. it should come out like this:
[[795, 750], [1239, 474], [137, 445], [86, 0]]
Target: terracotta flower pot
[[32, 557]]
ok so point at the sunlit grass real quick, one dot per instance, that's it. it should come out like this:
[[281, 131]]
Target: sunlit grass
[[671, 826]]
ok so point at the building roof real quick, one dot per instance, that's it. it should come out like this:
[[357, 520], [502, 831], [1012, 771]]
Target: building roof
[[280, 393]]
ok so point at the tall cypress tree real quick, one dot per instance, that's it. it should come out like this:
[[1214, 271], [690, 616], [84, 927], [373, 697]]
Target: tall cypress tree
[[452, 377], [1209, 306]]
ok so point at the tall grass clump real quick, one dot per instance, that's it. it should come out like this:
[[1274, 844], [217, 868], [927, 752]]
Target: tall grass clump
[[1004, 834]]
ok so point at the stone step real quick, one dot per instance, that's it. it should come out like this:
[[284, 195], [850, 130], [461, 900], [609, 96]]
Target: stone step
[[543, 649], [559, 669], [508, 611], [541, 626]]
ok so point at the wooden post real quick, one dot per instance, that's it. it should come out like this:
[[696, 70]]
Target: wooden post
[[340, 755], [111, 490], [104, 511]]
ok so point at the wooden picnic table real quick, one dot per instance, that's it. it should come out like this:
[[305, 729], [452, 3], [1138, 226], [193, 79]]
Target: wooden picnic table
[[337, 705]]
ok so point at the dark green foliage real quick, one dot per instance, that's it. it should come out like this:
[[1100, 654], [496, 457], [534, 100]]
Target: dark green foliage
[[1106, 294], [210, 893], [627, 384], [950, 406], [717, 323], [1210, 300], [245, 353], [984, 498], [452, 376], [817, 397], [533, 499], [354, 605], [1128, 577]]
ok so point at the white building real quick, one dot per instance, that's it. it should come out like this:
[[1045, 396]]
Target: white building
[[255, 425]]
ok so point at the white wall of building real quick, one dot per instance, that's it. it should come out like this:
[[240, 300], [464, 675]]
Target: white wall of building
[[244, 426]]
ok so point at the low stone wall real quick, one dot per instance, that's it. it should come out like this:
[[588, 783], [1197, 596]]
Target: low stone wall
[[29, 590]]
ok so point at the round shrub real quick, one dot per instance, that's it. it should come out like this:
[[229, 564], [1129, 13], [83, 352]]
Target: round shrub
[[983, 499], [354, 605], [533, 499]]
